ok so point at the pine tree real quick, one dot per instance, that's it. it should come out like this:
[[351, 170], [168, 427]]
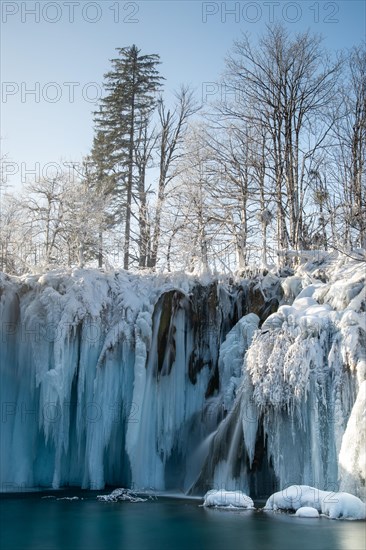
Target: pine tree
[[131, 88]]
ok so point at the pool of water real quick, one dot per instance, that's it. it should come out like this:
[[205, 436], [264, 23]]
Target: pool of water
[[30, 521]]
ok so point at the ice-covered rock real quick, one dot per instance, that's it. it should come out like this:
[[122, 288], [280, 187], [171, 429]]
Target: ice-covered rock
[[232, 353], [228, 499]]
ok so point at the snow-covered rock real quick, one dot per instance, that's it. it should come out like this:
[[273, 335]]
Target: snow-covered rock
[[335, 505], [307, 512], [228, 499], [292, 286]]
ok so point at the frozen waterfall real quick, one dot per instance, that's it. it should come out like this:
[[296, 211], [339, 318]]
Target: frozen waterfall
[[157, 382]]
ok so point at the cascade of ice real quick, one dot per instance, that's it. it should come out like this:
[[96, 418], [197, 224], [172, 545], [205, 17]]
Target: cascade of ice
[[64, 398], [167, 383], [301, 400], [175, 386], [109, 378]]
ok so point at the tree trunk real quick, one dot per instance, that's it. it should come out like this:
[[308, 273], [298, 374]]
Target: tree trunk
[[126, 248], [100, 249]]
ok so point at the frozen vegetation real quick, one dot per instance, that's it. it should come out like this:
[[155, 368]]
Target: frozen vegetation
[[178, 382], [300, 402]]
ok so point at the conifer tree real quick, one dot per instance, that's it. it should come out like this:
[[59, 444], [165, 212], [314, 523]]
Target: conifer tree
[[131, 87]]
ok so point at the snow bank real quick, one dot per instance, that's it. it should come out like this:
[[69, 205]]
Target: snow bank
[[228, 499], [333, 505]]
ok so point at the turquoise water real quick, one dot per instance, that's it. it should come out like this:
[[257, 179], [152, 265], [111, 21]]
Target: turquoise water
[[33, 522]]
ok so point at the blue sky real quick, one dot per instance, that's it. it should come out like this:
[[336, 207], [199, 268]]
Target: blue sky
[[62, 49]]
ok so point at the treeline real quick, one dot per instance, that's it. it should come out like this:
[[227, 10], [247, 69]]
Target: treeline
[[275, 162]]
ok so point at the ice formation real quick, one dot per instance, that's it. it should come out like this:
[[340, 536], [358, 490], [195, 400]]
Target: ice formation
[[167, 383], [335, 505], [109, 378], [299, 412]]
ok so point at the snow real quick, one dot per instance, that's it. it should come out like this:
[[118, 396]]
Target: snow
[[291, 286], [228, 499], [308, 291], [307, 512], [335, 505]]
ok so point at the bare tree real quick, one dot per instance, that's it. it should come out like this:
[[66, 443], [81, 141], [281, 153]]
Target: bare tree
[[18, 252], [229, 162], [173, 124], [350, 159], [84, 214], [284, 86], [44, 208], [145, 144], [190, 210]]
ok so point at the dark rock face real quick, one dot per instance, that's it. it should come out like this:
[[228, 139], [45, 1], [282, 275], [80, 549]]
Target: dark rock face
[[269, 307], [208, 313], [167, 306]]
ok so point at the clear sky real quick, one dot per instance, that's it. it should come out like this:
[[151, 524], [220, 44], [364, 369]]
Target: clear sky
[[54, 55]]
